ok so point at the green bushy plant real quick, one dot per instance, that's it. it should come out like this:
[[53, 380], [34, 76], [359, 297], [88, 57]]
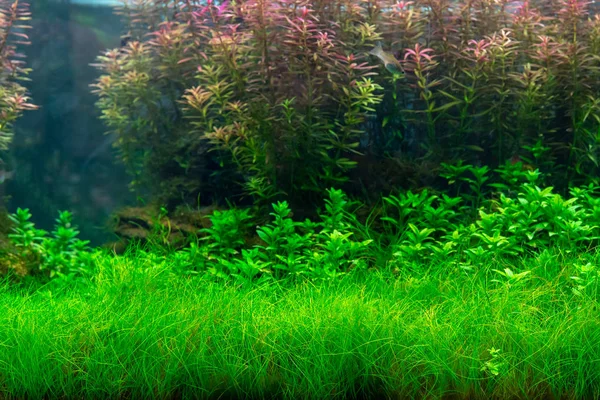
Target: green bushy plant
[[288, 249], [60, 254], [339, 251], [225, 238], [226, 234], [285, 248], [26, 236], [417, 230], [585, 283]]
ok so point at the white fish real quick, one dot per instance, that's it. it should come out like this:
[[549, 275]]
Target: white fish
[[389, 61]]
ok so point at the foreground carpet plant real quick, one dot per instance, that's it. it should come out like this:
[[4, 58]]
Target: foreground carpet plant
[[143, 332]]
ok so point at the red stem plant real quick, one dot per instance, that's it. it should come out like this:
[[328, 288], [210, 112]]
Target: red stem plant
[[284, 97], [13, 99], [265, 89]]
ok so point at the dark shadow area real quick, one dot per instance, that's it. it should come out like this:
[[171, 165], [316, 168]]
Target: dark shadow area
[[62, 159]]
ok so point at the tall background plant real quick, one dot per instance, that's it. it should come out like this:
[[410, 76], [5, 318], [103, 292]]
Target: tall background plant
[[14, 15], [281, 98]]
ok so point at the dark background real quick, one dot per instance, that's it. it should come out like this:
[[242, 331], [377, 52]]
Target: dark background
[[62, 158]]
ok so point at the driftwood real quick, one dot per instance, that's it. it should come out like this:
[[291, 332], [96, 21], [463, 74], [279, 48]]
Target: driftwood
[[144, 224]]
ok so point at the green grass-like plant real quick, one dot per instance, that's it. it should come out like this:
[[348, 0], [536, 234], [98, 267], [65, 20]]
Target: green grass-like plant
[[142, 331]]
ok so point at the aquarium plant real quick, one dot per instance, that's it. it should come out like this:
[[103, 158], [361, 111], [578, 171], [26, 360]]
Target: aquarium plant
[[288, 97], [274, 94], [58, 255], [14, 15]]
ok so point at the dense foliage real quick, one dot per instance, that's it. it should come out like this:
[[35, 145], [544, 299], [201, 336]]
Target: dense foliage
[[417, 230], [493, 292], [140, 332], [480, 285], [285, 97], [13, 99], [62, 254]]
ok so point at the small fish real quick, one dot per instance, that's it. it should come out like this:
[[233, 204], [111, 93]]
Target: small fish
[[390, 62]]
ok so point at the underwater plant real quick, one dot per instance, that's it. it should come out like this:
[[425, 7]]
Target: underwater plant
[[502, 68], [287, 98], [61, 255], [270, 90], [13, 96]]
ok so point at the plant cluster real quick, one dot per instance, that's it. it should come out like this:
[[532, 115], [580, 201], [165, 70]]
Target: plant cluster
[[13, 98], [284, 97], [532, 220], [61, 255], [270, 89], [412, 231], [287, 248]]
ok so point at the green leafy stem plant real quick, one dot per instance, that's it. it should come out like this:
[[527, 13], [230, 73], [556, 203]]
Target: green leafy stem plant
[[287, 249], [61, 254]]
